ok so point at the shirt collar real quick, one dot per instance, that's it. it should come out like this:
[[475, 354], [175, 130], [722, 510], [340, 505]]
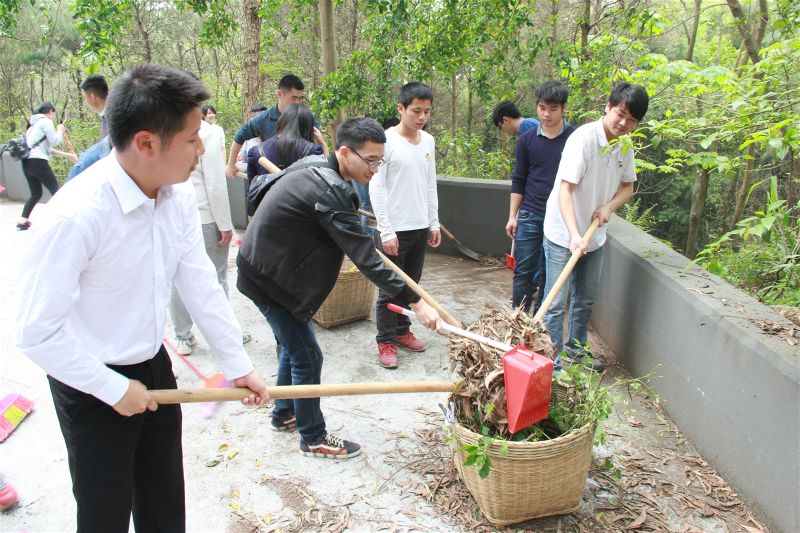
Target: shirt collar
[[274, 114], [102, 113], [128, 194], [600, 132], [564, 125]]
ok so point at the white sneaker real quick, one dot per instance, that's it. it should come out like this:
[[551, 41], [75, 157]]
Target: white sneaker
[[185, 345]]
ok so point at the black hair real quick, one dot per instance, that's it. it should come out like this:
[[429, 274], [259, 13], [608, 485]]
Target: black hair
[[206, 108], [506, 108], [552, 92], [45, 107], [391, 122], [289, 82], [634, 97], [412, 90], [294, 132], [257, 108], [95, 84], [151, 97], [354, 132]]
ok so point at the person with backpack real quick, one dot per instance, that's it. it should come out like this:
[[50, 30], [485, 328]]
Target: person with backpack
[[41, 137], [290, 259]]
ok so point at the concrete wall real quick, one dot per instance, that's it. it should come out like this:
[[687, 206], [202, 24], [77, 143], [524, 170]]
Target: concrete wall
[[12, 178], [476, 212], [733, 390]]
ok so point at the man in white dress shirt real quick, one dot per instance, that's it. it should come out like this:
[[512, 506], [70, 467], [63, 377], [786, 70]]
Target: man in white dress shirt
[[94, 289]]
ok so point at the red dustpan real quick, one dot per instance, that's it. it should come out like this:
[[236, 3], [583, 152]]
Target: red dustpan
[[528, 376]]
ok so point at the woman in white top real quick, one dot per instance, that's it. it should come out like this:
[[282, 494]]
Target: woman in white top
[[41, 136]]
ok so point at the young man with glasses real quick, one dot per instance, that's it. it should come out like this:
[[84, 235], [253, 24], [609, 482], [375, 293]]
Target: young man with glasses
[[406, 207], [594, 179], [290, 260]]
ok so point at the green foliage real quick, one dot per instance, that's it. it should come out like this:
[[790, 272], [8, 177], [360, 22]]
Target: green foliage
[[463, 155], [762, 254], [641, 218], [587, 401]]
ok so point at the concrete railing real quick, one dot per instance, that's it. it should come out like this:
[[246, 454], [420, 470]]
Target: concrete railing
[[732, 389]]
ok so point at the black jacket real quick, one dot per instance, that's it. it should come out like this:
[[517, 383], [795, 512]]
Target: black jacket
[[296, 242]]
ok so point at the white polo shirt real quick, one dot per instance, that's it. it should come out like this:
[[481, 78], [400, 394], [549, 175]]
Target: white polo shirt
[[597, 169]]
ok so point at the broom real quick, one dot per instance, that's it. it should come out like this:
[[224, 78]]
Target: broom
[[14, 408], [213, 381]]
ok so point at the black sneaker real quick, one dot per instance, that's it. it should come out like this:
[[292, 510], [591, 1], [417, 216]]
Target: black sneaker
[[284, 424], [331, 448], [592, 363]]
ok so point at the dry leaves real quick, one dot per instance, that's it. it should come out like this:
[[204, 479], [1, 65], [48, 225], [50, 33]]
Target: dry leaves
[[481, 367]]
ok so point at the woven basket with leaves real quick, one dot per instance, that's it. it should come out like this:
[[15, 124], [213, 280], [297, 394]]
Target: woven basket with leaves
[[350, 300], [532, 479]]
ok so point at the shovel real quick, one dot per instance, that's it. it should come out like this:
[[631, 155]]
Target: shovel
[[528, 377], [463, 248], [511, 261]]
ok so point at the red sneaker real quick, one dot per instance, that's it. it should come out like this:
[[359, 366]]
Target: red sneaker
[[410, 342], [387, 355]]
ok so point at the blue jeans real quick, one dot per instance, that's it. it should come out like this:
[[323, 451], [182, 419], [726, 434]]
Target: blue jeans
[[529, 273], [299, 363], [366, 205], [90, 156], [581, 286]]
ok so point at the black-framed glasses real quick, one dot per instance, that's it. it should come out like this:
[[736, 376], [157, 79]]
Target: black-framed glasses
[[373, 165]]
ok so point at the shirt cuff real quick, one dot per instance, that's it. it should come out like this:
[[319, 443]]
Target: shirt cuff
[[114, 388]]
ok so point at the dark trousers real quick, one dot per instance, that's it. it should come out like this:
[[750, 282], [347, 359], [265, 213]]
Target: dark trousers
[[410, 258], [123, 464], [38, 173], [299, 363]]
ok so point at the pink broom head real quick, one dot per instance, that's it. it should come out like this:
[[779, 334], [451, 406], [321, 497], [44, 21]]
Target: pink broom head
[[13, 409]]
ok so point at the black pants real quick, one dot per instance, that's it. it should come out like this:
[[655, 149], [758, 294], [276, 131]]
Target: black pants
[[38, 173], [121, 464], [410, 258]]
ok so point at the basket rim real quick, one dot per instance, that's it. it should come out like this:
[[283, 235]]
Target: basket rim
[[574, 434]]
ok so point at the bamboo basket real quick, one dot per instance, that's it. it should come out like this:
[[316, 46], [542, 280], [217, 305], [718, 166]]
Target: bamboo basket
[[533, 480], [350, 300]]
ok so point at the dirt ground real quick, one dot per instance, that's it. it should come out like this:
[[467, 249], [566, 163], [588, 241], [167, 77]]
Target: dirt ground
[[243, 477]]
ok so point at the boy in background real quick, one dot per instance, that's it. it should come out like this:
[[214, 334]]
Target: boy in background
[[406, 207], [538, 154]]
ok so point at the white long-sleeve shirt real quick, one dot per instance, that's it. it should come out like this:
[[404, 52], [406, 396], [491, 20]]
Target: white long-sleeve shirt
[[208, 178], [43, 132], [95, 284], [403, 192]]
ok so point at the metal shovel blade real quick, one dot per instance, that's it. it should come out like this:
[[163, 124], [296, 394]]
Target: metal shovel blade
[[528, 377]]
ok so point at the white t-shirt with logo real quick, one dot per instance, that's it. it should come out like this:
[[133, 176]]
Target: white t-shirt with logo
[[403, 192], [597, 169]]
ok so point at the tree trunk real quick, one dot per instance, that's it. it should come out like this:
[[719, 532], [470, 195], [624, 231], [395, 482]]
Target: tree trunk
[[727, 200], [699, 196], [453, 104], [148, 51], [745, 188], [327, 36], [751, 40], [586, 24], [693, 32], [251, 52], [327, 39]]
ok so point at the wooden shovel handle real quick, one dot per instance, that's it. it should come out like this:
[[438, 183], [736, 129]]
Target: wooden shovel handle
[[269, 165], [447, 317], [576, 254], [300, 391]]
